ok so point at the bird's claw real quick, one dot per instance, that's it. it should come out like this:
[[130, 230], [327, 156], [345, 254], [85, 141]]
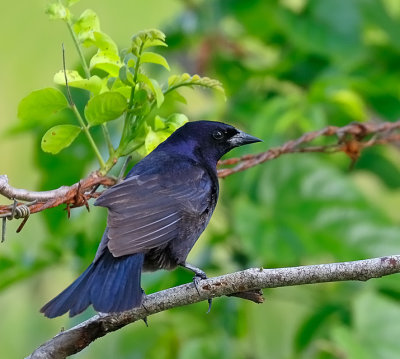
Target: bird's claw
[[145, 321], [196, 280], [199, 275], [209, 300]]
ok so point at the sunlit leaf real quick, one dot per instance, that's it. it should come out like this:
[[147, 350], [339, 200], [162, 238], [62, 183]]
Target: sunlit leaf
[[162, 129], [107, 61], [151, 36], [153, 58], [94, 84], [85, 27], [175, 121], [141, 96], [154, 87], [57, 11], [105, 107], [59, 137], [41, 104], [153, 43], [104, 42]]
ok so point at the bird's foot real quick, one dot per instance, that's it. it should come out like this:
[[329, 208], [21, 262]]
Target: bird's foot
[[199, 275], [196, 281]]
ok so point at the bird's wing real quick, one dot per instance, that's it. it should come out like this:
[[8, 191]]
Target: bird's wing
[[145, 211]]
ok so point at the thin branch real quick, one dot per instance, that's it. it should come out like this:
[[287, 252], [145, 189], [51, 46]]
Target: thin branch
[[350, 139], [75, 195], [77, 338], [79, 49]]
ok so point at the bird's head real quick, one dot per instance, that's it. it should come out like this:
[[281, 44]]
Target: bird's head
[[208, 139]]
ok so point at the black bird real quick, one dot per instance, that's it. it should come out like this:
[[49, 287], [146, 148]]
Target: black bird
[[156, 214]]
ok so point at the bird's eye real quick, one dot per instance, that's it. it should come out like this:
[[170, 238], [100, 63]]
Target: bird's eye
[[217, 134]]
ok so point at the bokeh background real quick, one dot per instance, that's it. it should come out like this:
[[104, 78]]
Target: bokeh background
[[288, 67]]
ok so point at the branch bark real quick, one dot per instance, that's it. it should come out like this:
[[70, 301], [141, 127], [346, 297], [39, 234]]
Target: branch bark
[[77, 338]]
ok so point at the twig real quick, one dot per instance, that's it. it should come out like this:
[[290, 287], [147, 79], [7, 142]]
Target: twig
[[76, 195], [77, 338], [350, 139]]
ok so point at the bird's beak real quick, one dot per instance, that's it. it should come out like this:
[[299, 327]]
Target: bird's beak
[[242, 138]]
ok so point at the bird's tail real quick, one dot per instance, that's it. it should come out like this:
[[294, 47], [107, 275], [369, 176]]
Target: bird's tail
[[110, 284]]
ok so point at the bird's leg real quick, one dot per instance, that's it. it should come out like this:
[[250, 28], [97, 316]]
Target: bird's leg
[[198, 276], [144, 307]]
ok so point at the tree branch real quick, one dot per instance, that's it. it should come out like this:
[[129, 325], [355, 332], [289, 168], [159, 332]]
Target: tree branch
[[76, 195], [77, 338], [350, 139]]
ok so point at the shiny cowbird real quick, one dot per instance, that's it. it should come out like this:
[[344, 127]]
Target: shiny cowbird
[[155, 216]]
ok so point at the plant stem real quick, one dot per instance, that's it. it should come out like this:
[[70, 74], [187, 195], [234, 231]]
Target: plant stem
[[79, 49], [128, 115], [80, 119], [88, 135], [108, 139]]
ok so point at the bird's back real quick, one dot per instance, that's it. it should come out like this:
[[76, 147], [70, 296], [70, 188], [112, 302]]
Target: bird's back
[[160, 209]]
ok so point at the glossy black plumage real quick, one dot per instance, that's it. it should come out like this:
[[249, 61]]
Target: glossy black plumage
[[155, 217]]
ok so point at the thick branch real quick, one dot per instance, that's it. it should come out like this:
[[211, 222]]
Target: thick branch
[[77, 338]]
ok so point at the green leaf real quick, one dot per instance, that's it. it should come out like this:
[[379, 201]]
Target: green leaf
[[94, 84], [126, 76], [105, 107], [154, 87], [153, 43], [107, 61], [160, 131], [158, 92], [59, 137], [119, 86], [153, 58], [176, 96], [175, 121], [141, 96], [85, 27], [151, 37], [57, 11], [104, 42], [137, 142], [185, 79], [41, 104]]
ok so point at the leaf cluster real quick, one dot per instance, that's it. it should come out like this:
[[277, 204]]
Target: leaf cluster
[[119, 88]]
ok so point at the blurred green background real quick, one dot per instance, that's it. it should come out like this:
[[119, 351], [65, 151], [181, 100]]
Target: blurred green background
[[288, 67]]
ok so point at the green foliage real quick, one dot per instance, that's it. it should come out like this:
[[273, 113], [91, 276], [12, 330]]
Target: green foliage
[[119, 89], [105, 107], [59, 137], [185, 79], [40, 105], [94, 84]]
